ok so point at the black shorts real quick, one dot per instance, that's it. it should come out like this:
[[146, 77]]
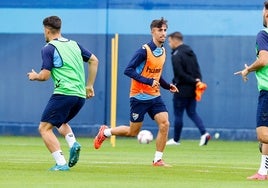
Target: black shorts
[[262, 110], [61, 109], [138, 108]]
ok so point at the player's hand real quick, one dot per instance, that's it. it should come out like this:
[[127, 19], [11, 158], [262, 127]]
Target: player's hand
[[90, 92], [155, 84], [243, 73], [173, 88], [32, 75]]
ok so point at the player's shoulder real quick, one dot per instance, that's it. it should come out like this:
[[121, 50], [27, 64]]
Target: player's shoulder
[[141, 51], [263, 33], [48, 48]]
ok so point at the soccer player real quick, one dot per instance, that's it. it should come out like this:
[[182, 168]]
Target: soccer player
[[63, 61], [145, 69], [187, 75], [261, 69]]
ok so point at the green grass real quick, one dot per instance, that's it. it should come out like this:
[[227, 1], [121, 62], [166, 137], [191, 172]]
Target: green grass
[[25, 162]]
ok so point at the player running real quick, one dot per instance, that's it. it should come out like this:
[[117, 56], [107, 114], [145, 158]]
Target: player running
[[63, 61], [261, 69], [145, 69]]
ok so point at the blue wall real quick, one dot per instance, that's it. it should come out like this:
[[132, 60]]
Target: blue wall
[[221, 33]]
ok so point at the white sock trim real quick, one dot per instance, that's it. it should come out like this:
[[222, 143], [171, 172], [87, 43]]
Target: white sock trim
[[264, 165], [59, 157], [107, 132], [157, 156], [70, 139]]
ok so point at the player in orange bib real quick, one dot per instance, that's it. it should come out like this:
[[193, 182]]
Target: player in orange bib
[[145, 69]]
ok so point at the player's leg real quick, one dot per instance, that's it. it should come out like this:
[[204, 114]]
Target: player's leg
[[74, 146], [137, 111], [53, 145], [122, 130], [262, 171], [75, 104], [158, 112], [53, 116], [66, 131], [262, 133], [191, 112], [163, 125], [49, 138], [179, 105], [132, 130]]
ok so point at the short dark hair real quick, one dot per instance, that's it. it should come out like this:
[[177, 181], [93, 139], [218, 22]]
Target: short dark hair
[[176, 35], [266, 4], [53, 23], [158, 23]]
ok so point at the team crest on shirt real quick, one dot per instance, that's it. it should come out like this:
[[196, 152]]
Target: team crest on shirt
[[135, 116]]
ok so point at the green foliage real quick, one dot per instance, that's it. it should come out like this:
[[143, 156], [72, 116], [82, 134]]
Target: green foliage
[[25, 162]]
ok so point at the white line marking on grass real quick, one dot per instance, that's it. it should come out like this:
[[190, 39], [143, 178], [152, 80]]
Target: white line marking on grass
[[173, 165]]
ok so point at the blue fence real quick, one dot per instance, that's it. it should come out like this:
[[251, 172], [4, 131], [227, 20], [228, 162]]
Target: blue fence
[[220, 36]]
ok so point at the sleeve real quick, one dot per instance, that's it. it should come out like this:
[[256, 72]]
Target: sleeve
[[86, 54], [199, 75], [47, 54], [164, 84], [136, 61], [179, 73], [262, 41]]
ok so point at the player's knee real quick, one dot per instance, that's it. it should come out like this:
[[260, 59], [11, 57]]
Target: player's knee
[[263, 137], [43, 128], [262, 134], [164, 126]]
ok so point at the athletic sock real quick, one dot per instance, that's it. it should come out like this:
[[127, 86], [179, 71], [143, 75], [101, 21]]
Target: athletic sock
[[264, 165], [59, 157], [157, 156], [70, 139], [107, 132]]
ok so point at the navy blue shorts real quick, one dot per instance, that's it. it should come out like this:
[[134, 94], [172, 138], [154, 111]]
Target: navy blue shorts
[[61, 109], [262, 110], [138, 108]]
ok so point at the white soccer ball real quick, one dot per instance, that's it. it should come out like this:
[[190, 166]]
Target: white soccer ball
[[217, 135], [145, 137]]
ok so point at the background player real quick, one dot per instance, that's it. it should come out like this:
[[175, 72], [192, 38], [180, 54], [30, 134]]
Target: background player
[[186, 75], [63, 61], [145, 69], [261, 69]]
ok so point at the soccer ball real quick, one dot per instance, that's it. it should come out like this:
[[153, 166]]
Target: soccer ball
[[145, 137]]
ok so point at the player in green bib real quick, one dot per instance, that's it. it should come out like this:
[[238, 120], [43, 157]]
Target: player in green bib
[[260, 66], [63, 60]]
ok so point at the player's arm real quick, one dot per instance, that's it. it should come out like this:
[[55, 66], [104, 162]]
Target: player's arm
[[130, 71], [262, 61], [167, 86], [43, 75], [92, 73], [93, 63]]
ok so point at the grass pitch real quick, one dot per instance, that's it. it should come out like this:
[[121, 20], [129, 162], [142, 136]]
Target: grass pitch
[[25, 162]]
